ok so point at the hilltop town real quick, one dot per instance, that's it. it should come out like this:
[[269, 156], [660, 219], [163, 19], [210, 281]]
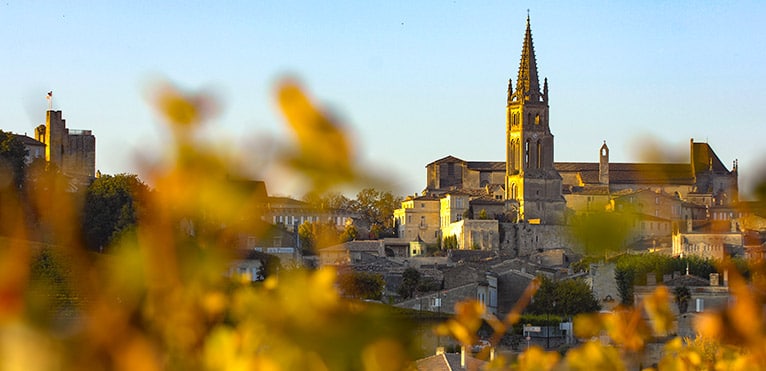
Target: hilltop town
[[485, 230]]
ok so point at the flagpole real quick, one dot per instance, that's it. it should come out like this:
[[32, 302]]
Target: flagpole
[[50, 100]]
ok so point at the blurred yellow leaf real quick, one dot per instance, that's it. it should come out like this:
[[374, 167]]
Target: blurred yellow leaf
[[658, 307], [594, 356], [536, 359], [324, 152]]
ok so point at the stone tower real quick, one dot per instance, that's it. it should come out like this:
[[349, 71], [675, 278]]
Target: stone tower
[[72, 151], [603, 164], [532, 185]]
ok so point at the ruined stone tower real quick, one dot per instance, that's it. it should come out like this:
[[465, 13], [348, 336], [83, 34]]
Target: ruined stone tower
[[72, 151], [532, 184]]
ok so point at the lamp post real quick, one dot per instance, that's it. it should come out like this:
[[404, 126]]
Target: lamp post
[[548, 327]]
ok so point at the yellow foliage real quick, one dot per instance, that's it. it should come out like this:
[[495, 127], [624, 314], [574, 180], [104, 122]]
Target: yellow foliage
[[594, 356], [160, 299], [536, 359]]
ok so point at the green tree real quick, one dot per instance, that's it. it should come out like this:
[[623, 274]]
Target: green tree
[[632, 270], [624, 279], [361, 285], [112, 206], [316, 235], [349, 233], [450, 242], [328, 201], [563, 298], [13, 163], [376, 208], [410, 282]]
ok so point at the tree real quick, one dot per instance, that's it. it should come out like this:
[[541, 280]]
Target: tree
[[624, 279], [316, 235], [450, 242], [376, 208], [13, 156], [563, 298], [410, 282], [349, 233], [361, 285], [632, 270], [483, 214], [328, 201], [112, 206]]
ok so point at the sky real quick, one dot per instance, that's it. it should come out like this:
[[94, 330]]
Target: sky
[[412, 81]]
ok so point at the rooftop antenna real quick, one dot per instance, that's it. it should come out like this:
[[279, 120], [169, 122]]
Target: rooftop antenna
[[49, 97]]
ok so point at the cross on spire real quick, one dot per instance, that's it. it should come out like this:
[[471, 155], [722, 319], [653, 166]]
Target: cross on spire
[[527, 83]]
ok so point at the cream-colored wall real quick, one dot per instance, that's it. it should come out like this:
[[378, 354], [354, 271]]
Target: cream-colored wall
[[473, 233], [453, 206]]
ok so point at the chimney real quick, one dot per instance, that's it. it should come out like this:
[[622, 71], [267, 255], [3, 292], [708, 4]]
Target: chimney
[[651, 279], [713, 279]]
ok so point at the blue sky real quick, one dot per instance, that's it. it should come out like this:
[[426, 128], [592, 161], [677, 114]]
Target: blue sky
[[415, 81]]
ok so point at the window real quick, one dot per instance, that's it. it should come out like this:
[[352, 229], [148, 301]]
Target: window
[[539, 154], [526, 154], [423, 221]]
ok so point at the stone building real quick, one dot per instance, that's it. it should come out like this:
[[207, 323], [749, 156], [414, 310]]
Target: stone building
[[418, 218], [530, 187], [72, 151]]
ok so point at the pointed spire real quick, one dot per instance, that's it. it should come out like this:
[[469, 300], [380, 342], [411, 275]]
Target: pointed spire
[[527, 84], [510, 90]]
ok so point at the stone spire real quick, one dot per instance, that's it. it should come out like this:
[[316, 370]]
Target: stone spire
[[527, 84]]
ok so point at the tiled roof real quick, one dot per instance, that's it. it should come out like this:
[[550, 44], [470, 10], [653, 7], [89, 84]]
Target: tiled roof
[[630, 173], [687, 280], [27, 141], [705, 159], [487, 165], [445, 159]]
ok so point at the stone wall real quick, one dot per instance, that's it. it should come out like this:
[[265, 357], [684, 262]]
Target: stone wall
[[526, 239]]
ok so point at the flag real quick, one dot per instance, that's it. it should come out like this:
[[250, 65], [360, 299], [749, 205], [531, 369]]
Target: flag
[[50, 95]]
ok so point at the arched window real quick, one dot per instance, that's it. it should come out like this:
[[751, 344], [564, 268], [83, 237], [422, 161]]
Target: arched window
[[513, 191], [526, 154], [539, 154], [512, 157], [537, 119]]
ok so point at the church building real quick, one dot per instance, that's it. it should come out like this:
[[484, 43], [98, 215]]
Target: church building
[[530, 187]]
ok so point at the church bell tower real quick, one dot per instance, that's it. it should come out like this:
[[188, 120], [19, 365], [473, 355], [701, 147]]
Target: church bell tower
[[532, 184]]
